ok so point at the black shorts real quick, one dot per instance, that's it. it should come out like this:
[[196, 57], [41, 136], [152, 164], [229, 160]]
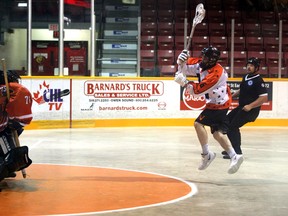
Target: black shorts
[[238, 117], [216, 119]]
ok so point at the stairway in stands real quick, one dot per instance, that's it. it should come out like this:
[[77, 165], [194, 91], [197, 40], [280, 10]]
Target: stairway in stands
[[117, 41]]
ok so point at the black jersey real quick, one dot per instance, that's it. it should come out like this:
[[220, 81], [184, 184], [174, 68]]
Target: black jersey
[[251, 87]]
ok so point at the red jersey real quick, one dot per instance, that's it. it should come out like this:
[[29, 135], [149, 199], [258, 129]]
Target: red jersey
[[18, 108]]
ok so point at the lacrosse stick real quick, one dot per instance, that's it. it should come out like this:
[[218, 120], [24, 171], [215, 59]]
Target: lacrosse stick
[[199, 16], [14, 132]]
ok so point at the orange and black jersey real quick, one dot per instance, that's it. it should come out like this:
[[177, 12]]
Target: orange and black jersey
[[212, 83]]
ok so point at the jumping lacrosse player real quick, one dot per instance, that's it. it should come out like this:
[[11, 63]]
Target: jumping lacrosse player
[[213, 85]]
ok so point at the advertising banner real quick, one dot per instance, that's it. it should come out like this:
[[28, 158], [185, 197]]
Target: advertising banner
[[51, 98], [188, 102], [124, 99], [92, 99]]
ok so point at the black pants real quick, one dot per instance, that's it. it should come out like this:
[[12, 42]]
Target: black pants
[[238, 118]]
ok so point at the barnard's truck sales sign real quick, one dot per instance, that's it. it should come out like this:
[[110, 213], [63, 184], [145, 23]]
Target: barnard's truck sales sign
[[123, 89]]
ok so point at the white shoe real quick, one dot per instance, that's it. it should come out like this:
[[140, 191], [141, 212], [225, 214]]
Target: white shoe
[[206, 160], [235, 163]]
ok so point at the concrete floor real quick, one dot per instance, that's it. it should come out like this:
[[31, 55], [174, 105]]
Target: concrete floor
[[259, 188]]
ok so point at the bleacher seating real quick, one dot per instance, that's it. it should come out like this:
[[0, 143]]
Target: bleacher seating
[[269, 30], [240, 58], [252, 29], [179, 28], [272, 58], [254, 43], [165, 15], [220, 43], [199, 42], [239, 43], [285, 56], [267, 17], [148, 42], [256, 33], [264, 71], [179, 42], [238, 29], [180, 15], [165, 4], [165, 28], [165, 57], [180, 5], [196, 53], [149, 28], [217, 29], [202, 29], [285, 29], [148, 5], [233, 14], [148, 15], [215, 16], [168, 70], [274, 71], [229, 5], [147, 58], [165, 42], [271, 44], [250, 16], [224, 58], [213, 4]]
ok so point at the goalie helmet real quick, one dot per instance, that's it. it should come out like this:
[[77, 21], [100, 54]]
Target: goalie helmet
[[11, 75], [210, 56], [254, 61]]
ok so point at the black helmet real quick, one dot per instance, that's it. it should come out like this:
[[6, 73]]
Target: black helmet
[[254, 61], [11, 75], [212, 54]]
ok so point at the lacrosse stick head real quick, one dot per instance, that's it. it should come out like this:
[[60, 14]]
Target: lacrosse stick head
[[199, 14]]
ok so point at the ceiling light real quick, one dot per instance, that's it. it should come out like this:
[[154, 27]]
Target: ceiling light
[[22, 4]]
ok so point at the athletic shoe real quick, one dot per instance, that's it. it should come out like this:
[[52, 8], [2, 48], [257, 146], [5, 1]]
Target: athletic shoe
[[224, 153], [206, 160], [235, 163], [226, 157]]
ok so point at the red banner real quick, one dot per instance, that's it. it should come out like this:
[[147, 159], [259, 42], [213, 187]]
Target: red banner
[[79, 3]]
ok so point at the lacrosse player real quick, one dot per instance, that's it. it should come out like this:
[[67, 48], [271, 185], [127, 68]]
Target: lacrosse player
[[14, 115], [213, 85], [252, 94]]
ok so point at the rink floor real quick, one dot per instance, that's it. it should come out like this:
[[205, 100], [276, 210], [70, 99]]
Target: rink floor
[[147, 172]]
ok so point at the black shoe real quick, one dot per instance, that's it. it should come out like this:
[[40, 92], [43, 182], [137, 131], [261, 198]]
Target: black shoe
[[11, 175], [224, 153], [226, 157]]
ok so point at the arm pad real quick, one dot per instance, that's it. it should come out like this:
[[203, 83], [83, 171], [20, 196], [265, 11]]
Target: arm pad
[[180, 78]]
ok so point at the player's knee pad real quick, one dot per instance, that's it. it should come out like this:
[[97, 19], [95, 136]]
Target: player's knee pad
[[7, 141], [3, 169], [17, 159]]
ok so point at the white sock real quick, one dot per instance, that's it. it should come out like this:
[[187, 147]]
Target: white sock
[[231, 152], [205, 149]]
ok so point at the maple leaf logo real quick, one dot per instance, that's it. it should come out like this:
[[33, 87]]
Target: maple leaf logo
[[38, 96]]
